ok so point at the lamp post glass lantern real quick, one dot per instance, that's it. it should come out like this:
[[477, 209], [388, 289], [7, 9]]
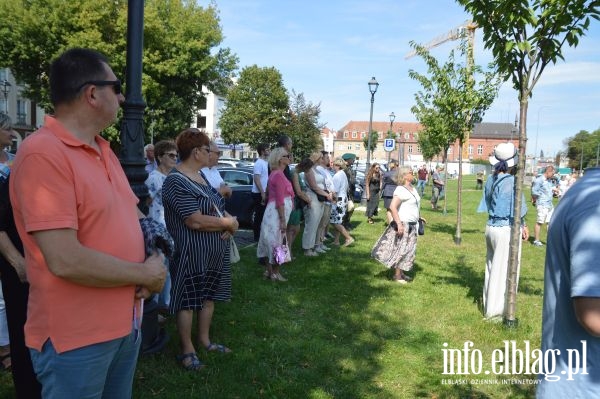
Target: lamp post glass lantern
[[373, 85]]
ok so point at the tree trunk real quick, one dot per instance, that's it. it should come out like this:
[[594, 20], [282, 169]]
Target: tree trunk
[[457, 236], [510, 308]]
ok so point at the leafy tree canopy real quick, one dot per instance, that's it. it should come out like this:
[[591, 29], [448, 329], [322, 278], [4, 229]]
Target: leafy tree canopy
[[303, 126], [257, 107], [180, 51], [583, 149], [374, 138], [451, 100]]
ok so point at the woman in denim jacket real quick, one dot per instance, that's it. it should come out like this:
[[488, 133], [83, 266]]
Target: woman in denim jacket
[[498, 200]]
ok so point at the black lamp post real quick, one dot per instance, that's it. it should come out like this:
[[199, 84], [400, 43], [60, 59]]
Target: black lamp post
[[373, 85], [132, 124], [392, 118], [5, 90]]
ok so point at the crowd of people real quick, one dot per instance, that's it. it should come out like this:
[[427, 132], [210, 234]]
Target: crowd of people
[[79, 258]]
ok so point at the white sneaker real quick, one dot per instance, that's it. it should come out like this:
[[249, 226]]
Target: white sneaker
[[538, 243], [324, 247], [320, 250]]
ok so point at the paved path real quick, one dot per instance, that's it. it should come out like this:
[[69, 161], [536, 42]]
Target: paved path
[[244, 238]]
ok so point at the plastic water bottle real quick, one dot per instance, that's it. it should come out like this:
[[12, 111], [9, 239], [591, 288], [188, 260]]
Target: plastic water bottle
[[4, 172]]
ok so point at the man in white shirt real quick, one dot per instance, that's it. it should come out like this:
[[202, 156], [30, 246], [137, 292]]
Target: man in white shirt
[[259, 187], [323, 170], [212, 173]]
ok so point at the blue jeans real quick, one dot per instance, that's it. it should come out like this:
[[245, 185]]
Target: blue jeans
[[421, 186], [103, 370]]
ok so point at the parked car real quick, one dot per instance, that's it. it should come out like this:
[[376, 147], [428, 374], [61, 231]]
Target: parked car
[[240, 202], [246, 163], [231, 162]]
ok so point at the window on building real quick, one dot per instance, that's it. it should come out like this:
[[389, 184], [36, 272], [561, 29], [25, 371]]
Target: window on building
[[21, 111], [418, 149], [410, 149], [354, 135], [363, 135], [340, 146], [201, 122], [407, 136], [480, 149], [470, 149], [202, 104], [349, 146], [345, 135], [449, 150], [357, 147]]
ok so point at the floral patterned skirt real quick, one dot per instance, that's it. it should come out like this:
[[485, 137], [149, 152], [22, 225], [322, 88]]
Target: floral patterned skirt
[[394, 251], [270, 235], [338, 210]]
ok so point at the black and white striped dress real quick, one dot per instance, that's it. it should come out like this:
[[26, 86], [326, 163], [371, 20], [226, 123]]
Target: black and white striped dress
[[200, 269]]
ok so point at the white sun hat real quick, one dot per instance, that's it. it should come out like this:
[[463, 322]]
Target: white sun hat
[[504, 152]]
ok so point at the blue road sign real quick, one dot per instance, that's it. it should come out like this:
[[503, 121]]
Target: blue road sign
[[389, 145]]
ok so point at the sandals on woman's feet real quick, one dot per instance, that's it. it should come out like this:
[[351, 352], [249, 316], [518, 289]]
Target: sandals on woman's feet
[[217, 348], [194, 363]]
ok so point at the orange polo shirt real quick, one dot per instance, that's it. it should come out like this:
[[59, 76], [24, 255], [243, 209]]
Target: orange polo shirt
[[59, 182]]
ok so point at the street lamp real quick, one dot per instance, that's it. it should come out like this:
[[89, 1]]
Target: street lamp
[[5, 87], [392, 118], [373, 85], [400, 149]]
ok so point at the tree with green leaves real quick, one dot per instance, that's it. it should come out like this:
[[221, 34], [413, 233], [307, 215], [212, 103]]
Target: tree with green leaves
[[180, 51], [525, 37], [449, 105], [303, 126], [374, 138], [582, 149], [257, 107]]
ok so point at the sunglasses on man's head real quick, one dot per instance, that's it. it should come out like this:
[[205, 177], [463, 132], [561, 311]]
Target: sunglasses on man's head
[[116, 84]]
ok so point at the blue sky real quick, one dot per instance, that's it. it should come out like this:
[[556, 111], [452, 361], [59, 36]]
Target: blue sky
[[330, 49]]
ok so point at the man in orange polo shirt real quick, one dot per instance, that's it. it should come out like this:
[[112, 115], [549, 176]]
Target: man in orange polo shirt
[[78, 220]]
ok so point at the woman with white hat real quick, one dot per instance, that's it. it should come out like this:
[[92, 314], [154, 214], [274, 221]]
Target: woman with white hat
[[498, 201]]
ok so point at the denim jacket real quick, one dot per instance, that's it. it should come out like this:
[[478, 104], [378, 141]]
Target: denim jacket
[[498, 201]]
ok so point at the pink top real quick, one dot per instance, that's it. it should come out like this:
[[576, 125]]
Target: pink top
[[279, 188]]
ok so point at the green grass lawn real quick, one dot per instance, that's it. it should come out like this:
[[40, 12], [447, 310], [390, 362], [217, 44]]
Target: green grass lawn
[[340, 328]]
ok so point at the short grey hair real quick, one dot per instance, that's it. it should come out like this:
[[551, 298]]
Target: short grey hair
[[5, 121]]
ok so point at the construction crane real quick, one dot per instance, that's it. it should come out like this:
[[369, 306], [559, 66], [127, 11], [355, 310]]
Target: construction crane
[[467, 29]]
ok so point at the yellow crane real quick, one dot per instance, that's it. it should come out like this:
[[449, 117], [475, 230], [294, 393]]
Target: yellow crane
[[465, 30]]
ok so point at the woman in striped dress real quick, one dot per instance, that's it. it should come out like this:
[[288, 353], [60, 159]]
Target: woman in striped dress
[[200, 268]]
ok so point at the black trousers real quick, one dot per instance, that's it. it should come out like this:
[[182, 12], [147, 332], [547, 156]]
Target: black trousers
[[259, 211], [16, 295]]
